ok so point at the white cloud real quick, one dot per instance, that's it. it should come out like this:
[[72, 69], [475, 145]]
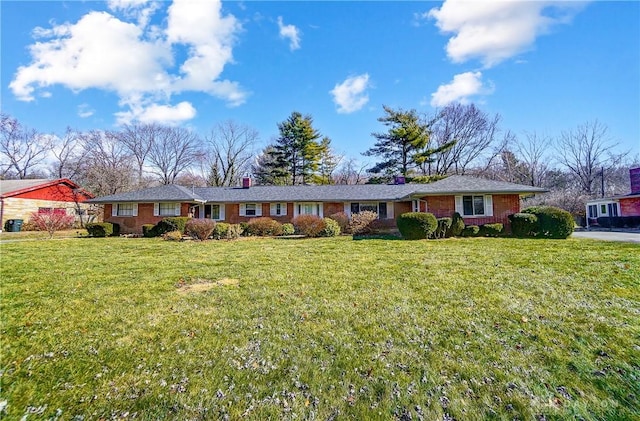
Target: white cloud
[[84, 111], [496, 31], [350, 95], [460, 89], [135, 61], [154, 113], [291, 33]]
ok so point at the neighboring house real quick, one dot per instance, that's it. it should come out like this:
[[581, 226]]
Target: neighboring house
[[20, 198], [626, 205], [479, 201]]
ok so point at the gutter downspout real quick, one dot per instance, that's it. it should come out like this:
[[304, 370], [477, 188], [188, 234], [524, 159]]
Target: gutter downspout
[[1, 213]]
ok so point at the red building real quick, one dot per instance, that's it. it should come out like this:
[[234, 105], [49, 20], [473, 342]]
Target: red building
[[20, 198]]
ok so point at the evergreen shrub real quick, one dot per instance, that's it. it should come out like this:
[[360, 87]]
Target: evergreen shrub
[[416, 225]]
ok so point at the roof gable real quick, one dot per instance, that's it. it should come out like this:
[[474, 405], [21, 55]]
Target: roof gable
[[9, 188]]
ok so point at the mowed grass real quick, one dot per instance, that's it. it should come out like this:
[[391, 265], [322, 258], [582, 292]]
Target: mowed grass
[[320, 329]]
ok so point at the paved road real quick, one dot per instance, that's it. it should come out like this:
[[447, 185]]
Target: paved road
[[633, 237]]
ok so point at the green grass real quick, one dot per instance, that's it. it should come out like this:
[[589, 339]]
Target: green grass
[[373, 329]]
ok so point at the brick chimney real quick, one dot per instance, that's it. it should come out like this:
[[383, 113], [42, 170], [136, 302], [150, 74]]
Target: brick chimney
[[634, 176], [246, 182]]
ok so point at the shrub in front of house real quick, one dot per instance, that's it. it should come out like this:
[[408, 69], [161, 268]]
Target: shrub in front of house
[[288, 229], [416, 225], [523, 225], [148, 231], [552, 222], [457, 225], [618, 221], [331, 228], [342, 219], [491, 230], [443, 228], [309, 225], [172, 236], [51, 222], [361, 222], [234, 231], [100, 229], [220, 231], [243, 228], [199, 229], [172, 223], [470, 231], [264, 227]]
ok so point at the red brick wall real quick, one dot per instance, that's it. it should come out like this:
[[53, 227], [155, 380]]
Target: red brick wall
[[630, 206], [503, 206], [133, 224], [331, 208], [401, 207]]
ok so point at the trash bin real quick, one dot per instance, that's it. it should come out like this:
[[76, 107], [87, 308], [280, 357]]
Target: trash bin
[[13, 225]]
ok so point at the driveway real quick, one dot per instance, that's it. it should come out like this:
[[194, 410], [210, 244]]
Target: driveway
[[629, 236]]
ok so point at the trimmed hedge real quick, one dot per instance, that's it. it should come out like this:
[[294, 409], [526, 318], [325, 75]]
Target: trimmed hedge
[[331, 228], [552, 222], [200, 229], [416, 225], [288, 229], [491, 230], [619, 221], [470, 231], [100, 229], [173, 223], [523, 225], [457, 225], [309, 225], [264, 227], [443, 228], [147, 230]]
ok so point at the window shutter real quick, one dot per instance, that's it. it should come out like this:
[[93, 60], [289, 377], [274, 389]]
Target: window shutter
[[177, 209], [243, 209], [347, 208], [156, 209], [222, 206], [135, 209], [274, 209], [459, 205], [488, 205], [390, 210], [258, 209], [114, 209], [283, 209]]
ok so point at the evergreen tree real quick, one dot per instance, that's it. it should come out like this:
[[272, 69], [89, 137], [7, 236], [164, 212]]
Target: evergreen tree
[[404, 146], [296, 153]]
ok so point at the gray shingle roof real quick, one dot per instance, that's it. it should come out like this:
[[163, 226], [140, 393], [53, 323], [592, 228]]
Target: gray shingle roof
[[8, 186], [338, 193]]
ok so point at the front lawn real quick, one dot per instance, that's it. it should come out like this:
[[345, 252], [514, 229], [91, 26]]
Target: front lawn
[[320, 329]]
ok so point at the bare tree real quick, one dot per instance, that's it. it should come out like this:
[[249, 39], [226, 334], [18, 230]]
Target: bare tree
[[231, 147], [69, 152], [173, 151], [586, 151], [23, 149], [108, 166], [477, 138], [351, 172], [532, 151], [139, 140]]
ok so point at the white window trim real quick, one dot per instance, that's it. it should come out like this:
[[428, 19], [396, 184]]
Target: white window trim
[[319, 207], [114, 209], [176, 209], [488, 205], [243, 209], [221, 207], [274, 208]]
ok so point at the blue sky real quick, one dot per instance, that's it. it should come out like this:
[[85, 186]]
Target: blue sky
[[543, 66]]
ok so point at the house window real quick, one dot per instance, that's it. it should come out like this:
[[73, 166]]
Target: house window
[[278, 209], [603, 209], [215, 211], [593, 211], [309, 209], [613, 209], [167, 209], [250, 209], [473, 205], [378, 207], [125, 209]]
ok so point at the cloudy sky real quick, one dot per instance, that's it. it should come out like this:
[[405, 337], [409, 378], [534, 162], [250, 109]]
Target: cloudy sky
[[543, 66]]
